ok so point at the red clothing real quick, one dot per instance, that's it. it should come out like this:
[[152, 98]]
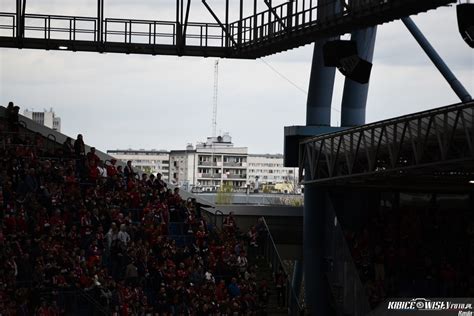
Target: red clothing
[[56, 220], [93, 159], [134, 199], [200, 236], [10, 223], [94, 172], [111, 170], [43, 311], [221, 292]]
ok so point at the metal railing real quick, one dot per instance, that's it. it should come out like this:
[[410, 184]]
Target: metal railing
[[257, 27], [27, 139], [128, 31], [244, 37], [208, 163], [273, 257], [342, 275], [211, 175], [81, 28], [236, 176], [275, 21], [72, 301]]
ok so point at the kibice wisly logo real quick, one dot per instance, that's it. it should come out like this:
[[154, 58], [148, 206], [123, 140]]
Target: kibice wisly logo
[[426, 304]]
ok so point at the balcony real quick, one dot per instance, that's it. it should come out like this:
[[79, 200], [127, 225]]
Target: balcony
[[210, 175], [237, 176], [235, 164], [207, 163]]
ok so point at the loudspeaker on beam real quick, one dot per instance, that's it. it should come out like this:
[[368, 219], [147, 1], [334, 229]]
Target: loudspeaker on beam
[[465, 13], [355, 68], [344, 55], [334, 51]]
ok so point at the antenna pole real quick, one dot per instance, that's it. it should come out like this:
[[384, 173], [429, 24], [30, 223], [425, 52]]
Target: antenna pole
[[214, 109], [214, 119]]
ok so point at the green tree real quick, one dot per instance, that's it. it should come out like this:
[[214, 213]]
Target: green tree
[[146, 169], [225, 194]]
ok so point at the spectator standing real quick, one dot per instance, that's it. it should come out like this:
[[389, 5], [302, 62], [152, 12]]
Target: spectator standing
[[280, 284], [160, 184], [128, 170], [12, 116], [123, 236], [68, 148], [92, 157], [79, 147], [80, 152], [111, 168], [233, 288], [242, 262]]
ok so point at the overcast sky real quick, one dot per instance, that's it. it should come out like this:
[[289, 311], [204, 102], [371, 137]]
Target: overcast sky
[[162, 102]]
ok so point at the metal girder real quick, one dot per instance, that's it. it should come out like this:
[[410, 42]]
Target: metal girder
[[455, 84], [181, 25], [100, 24], [224, 28], [277, 17], [186, 18], [20, 20], [288, 25], [440, 137]]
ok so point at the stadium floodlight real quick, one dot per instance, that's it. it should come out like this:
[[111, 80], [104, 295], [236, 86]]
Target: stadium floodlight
[[471, 182], [63, 47]]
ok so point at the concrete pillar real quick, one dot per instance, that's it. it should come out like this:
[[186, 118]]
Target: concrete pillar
[[354, 99]]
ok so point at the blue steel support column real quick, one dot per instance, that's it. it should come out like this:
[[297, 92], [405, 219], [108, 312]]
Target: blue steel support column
[[321, 86], [354, 99], [316, 285], [321, 81], [318, 112], [455, 84]]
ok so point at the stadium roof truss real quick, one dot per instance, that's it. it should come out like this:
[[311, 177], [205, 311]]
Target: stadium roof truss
[[276, 28], [432, 148]]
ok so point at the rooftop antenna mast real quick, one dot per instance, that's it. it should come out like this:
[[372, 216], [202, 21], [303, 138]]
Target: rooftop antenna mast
[[216, 86], [214, 121]]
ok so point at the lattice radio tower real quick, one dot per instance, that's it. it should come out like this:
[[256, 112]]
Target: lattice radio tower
[[216, 88]]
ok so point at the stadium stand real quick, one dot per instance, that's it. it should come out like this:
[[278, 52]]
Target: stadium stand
[[84, 236], [414, 252]]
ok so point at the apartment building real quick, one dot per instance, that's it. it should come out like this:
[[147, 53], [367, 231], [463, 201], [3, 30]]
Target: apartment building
[[182, 167], [46, 118], [269, 169], [149, 161], [212, 164]]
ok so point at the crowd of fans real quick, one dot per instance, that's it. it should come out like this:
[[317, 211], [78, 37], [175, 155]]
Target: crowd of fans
[[415, 252], [82, 235]]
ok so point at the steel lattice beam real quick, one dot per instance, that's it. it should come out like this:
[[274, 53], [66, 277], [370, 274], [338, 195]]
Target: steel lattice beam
[[431, 139]]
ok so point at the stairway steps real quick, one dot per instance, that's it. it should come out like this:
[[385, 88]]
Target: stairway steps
[[265, 272]]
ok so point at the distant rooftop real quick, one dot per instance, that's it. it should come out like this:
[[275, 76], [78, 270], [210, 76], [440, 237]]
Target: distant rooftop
[[138, 151], [267, 155]]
